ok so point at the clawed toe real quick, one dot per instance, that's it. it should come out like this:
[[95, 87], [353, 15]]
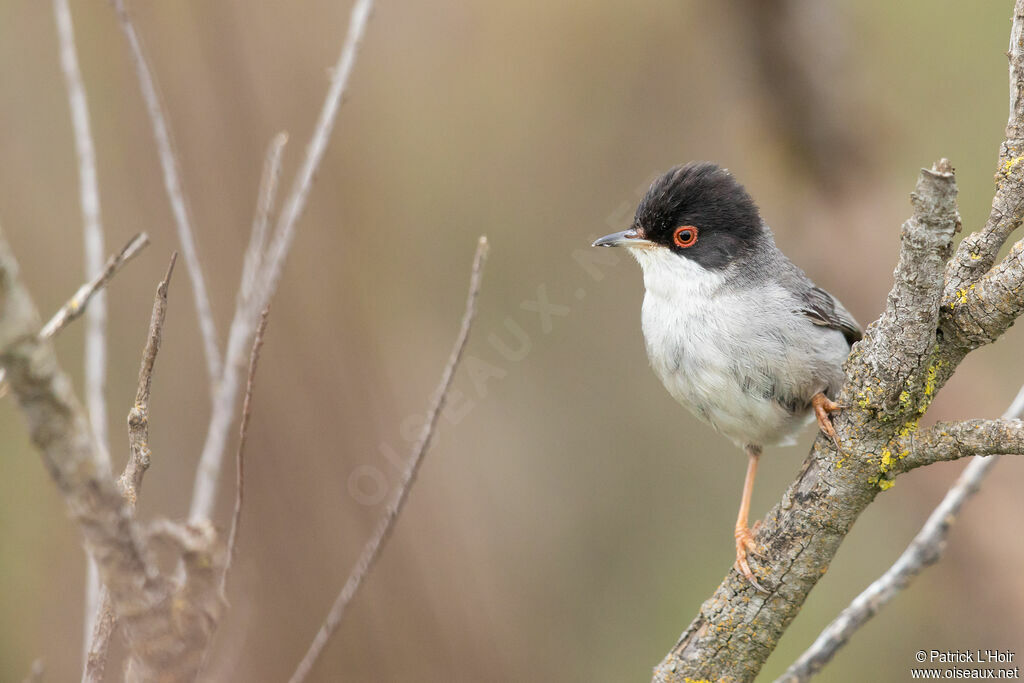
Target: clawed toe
[[822, 406], [745, 545]]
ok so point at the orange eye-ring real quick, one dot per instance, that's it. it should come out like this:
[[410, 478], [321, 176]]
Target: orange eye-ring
[[685, 236]]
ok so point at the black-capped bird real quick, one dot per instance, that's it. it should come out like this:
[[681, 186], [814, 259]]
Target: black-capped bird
[[735, 331]]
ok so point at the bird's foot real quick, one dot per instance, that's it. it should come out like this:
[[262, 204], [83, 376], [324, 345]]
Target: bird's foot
[[745, 544], [822, 407]]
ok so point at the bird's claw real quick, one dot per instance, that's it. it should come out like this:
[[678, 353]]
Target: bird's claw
[[745, 544], [822, 407]]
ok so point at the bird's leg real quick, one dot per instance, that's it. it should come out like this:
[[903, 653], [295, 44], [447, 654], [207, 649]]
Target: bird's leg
[[744, 539], [822, 407]]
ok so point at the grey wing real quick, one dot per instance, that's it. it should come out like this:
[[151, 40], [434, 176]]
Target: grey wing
[[825, 310]]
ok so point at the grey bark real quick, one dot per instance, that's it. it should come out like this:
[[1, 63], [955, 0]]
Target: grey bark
[[939, 309]]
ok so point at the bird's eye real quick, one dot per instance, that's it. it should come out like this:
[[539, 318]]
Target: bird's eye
[[685, 236]]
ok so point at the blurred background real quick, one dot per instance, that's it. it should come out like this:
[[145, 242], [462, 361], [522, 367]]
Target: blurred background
[[570, 517]]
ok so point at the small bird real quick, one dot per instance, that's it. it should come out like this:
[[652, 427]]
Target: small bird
[[736, 332]]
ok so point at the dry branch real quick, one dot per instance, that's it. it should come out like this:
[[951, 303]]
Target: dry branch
[[165, 620], [243, 325], [130, 481], [243, 435], [76, 305], [387, 522], [175, 193]]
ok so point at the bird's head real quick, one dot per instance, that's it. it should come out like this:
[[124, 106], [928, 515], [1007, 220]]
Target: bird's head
[[697, 212]]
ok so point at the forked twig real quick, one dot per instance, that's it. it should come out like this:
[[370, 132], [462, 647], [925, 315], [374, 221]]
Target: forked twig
[[243, 325], [387, 522], [925, 550]]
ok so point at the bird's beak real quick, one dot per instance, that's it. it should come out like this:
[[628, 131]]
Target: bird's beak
[[626, 238]]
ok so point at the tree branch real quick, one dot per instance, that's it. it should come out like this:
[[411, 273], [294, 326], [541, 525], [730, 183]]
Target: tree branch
[[175, 194], [925, 550], [978, 251], [243, 435], [888, 384], [165, 620], [955, 440], [383, 530], [243, 325], [76, 305], [893, 374], [130, 482]]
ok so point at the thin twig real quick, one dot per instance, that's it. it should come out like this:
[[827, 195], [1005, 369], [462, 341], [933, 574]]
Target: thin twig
[[243, 324], [261, 222], [243, 435], [75, 306], [384, 527], [175, 194], [130, 481], [925, 550], [92, 232]]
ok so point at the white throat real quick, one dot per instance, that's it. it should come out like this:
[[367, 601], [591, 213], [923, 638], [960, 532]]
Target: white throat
[[676, 279]]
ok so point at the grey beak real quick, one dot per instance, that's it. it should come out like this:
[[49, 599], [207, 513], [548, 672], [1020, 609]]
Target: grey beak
[[625, 238]]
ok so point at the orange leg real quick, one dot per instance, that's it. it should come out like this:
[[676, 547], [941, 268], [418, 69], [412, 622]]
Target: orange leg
[[822, 407], [744, 539]]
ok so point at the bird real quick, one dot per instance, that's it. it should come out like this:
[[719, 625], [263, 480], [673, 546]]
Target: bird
[[735, 331]]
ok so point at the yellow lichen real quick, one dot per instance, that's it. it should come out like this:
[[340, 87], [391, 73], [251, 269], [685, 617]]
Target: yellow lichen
[[1010, 165], [886, 463], [886, 484]]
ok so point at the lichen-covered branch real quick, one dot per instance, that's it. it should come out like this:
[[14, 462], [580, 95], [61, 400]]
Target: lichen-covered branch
[[889, 385], [925, 550], [955, 440], [929, 325]]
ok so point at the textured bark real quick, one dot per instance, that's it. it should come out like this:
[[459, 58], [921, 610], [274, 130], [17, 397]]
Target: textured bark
[[939, 309], [890, 383], [167, 620]]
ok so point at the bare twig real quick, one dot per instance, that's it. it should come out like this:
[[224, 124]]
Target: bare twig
[[261, 222], [92, 231], [130, 482], [925, 550], [978, 251], [243, 325], [138, 416], [380, 534], [75, 306], [243, 434], [175, 193]]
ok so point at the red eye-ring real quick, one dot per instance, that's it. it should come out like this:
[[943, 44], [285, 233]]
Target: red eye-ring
[[685, 236]]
